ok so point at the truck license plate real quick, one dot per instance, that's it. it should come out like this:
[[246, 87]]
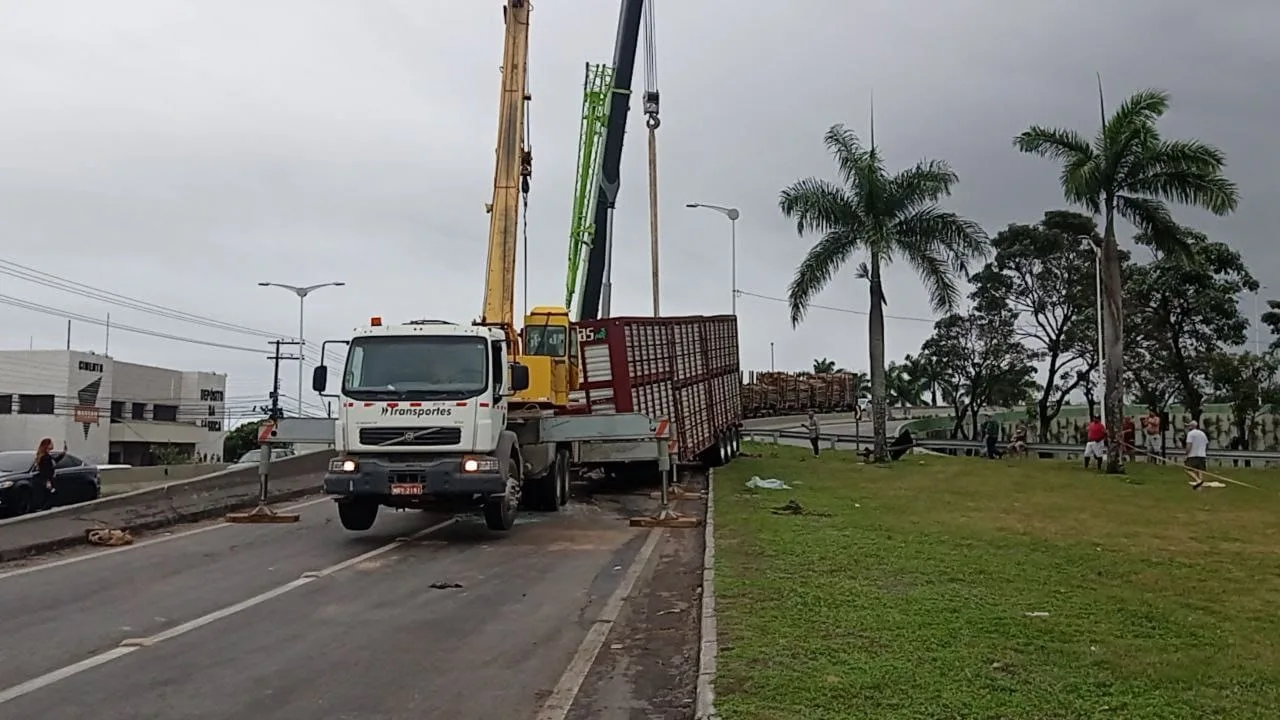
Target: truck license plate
[[405, 489]]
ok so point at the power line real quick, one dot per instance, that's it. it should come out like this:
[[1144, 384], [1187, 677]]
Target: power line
[[850, 311], [65, 314], [40, 277]]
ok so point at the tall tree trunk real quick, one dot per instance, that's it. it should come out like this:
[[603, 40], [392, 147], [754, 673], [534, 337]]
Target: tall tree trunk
[[1113, 340], [879, 409]]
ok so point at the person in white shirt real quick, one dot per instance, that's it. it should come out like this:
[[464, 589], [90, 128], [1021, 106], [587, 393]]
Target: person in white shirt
[[1197, 453]]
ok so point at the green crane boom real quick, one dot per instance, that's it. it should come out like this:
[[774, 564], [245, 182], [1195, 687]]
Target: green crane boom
[[595, 118]]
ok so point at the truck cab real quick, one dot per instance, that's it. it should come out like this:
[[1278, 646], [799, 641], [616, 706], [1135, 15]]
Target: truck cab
[[422, 422]]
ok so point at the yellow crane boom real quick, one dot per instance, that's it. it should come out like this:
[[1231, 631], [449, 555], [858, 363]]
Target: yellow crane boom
[[547, 347], [512, 170]]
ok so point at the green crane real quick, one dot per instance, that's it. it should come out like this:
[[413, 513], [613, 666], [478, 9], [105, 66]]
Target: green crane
[[597, 88]]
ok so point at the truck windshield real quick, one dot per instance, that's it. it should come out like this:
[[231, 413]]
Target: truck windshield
[[422, 367], [545, 340]]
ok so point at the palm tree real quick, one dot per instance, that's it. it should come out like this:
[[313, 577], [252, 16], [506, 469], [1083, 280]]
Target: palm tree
[[1130, 172], [884, 217], [823, 366]]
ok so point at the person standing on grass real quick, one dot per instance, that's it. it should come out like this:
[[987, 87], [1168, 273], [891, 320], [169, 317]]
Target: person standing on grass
[[1151, 426], [1129, 435], [1096, 445], [1197, 453], [812, 427]]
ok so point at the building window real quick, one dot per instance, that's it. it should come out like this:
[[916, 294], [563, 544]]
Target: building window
[[35, 404], [117, 410], [165, 413], [6, 404], [139, 411]]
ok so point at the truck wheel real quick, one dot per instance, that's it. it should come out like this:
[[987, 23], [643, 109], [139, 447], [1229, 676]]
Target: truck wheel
[[500, 512], [735, 442], [564, 474], [357, 515]]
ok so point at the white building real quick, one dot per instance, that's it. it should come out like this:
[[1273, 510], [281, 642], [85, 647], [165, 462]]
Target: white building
[[106, 410]]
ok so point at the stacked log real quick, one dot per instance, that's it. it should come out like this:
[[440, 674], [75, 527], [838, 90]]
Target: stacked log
[[768, 393]]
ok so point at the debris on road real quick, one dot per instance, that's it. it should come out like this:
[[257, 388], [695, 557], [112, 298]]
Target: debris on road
[[109, 537], [444, 586]]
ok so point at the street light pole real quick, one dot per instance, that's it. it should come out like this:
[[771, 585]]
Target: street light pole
[[771, 357], [733, 215], [302, 292]]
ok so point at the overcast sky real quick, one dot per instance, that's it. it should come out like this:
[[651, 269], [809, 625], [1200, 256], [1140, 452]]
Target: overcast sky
[[180, 152]]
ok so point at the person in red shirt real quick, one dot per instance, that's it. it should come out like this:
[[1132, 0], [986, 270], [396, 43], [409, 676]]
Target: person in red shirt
[[1096, 447]]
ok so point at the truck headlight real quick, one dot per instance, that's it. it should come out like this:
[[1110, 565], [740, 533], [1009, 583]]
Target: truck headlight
[[343, 465], [479, 464], [6, 484]]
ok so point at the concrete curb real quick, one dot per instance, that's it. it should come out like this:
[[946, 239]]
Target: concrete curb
[[709, 646], [183, 501]]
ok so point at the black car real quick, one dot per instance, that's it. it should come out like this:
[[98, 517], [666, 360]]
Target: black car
[[74, 481]]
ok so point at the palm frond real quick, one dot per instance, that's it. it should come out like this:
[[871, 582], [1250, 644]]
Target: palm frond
[[852, 157], [818, 267], [1213, 192], [926, 183], [816, 205], [938, 243], [1082, 170], [1059, 144], [1143, 107], [1155, 222]]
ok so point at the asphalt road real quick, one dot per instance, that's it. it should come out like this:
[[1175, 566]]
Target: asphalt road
[[306, 621]]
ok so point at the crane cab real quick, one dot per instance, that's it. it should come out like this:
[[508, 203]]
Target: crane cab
[[549, 348]]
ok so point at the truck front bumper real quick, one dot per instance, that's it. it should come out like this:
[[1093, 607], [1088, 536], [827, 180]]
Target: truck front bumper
[[443, 477]]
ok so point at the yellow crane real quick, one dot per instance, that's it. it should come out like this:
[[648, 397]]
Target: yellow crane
[[547, 346]]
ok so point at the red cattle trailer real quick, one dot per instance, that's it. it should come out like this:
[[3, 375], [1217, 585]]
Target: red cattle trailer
[[684, 370]]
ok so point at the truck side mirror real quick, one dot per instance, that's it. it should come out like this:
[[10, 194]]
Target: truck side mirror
[[519, 377], [320, 378]]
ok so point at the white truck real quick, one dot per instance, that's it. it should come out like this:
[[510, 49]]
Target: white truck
[[426, 421]]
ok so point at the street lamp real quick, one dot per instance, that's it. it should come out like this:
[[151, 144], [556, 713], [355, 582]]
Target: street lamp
[[733, 215], [302, 293]]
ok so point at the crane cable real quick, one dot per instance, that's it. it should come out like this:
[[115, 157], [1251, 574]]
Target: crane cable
[[652, 122]]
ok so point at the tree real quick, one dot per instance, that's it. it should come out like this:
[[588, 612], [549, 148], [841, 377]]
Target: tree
[[924, 371], [1249, 383], [1044, 275], [986, 362], [1271, 318], [884, 217], [823, 366], [1184, 309], [240, 440], [1129, 172]]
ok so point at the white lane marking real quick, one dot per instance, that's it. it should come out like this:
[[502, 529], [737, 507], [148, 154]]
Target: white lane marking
[[134, 644], [561, 699], [145, 543]]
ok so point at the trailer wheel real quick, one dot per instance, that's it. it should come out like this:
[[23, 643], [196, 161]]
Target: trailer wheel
[[500, 512], [564, 470], [726, 449], [357, 515], [735, 440]]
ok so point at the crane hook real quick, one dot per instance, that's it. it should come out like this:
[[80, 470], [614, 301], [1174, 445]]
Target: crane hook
[[652, 122]]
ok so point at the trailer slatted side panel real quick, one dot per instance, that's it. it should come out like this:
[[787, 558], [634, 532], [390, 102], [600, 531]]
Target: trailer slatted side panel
[[681, 369]]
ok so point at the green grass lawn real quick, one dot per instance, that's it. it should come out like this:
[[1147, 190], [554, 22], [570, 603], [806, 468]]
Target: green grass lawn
[[965, 588]]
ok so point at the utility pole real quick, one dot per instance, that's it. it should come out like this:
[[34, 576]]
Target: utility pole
[[262, 513], [771, 356], [274, 413]]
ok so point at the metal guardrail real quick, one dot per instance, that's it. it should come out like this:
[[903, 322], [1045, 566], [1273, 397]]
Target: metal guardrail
[[836, 440]]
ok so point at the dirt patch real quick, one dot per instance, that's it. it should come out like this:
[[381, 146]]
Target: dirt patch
[[648, 667]]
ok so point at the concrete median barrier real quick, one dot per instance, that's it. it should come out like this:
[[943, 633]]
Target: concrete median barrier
[[180, 501]]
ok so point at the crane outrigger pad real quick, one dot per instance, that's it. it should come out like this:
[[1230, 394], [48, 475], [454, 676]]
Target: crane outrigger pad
[[666, 518], [262, 515]]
